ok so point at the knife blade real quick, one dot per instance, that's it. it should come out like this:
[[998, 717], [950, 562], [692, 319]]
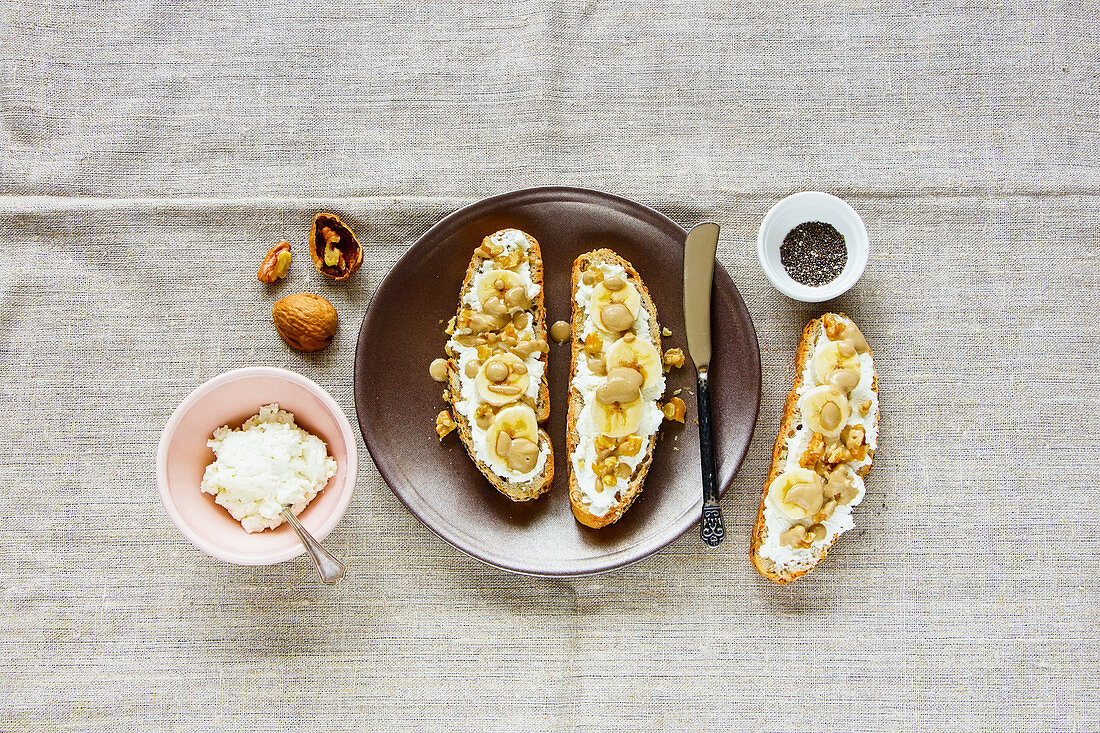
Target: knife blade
[[699, 251]]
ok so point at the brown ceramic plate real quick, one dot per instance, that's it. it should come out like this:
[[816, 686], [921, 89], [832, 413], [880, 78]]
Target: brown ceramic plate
[[397, 401]]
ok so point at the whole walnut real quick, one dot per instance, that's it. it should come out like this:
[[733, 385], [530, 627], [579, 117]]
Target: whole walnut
[[305, 321]]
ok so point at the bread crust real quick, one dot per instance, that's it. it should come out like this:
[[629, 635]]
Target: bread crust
[[792, 416], [540, 484], [634, 487]]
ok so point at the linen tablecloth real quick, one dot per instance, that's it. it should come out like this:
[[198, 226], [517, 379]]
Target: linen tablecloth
[[152, 151]]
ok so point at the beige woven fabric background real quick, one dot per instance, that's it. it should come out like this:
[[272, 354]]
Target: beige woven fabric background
[[150, 152]]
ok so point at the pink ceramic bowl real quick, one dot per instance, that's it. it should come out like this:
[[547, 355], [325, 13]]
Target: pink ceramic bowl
[[230, 399]]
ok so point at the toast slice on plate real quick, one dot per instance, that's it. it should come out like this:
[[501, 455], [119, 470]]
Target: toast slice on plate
[[496, 366], [616, 380]]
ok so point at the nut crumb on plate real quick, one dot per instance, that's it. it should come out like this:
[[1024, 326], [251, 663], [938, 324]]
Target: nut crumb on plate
[[444, 424], [675, 410], [674, 358]]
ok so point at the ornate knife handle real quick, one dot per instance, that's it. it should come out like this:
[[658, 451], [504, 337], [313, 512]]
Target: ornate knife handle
[[712, 530]]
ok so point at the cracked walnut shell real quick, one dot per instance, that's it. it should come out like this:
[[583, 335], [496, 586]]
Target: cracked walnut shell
[[305, 321], [333, 247]]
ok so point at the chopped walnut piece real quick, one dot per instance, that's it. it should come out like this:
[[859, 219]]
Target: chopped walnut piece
[[665, 332], [675, 410], [815, 451], [593, 344], [802, 537], [864, 407], [674, 358], [509, 260], [854, 437], [796, 537], [483, 417], [444, 424], [488, 249], [630, 445], [606, 469], [450, 329], [834, 327], [837, 453], [604, 446]]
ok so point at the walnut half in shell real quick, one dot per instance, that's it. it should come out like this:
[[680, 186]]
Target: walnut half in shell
[[333, 247]]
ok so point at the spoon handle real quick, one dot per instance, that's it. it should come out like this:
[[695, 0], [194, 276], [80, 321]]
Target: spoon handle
[[328, 567]]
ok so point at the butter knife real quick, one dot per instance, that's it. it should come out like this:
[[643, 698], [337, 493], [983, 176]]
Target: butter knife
[[699, 251]]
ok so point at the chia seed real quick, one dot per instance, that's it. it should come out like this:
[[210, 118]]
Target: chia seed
[[814, 253]]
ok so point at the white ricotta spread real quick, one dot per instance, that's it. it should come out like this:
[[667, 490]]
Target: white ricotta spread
[[510, 239], [267, 464], [841, 521], [601, 498]]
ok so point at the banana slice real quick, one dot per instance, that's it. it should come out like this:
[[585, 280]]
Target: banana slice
[[502, 379], [836, 355], [617, 420], [798, 493], [513, 438], [637, 354], [825, 410], [495, 284], [618, 303]]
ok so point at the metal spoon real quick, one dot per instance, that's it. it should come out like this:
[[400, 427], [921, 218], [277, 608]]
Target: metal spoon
[[328, 567]]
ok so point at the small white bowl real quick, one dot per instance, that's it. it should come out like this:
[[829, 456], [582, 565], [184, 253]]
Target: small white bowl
[[805, 207]]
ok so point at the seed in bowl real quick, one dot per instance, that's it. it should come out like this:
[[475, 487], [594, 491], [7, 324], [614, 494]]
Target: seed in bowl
[[265, 465]]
